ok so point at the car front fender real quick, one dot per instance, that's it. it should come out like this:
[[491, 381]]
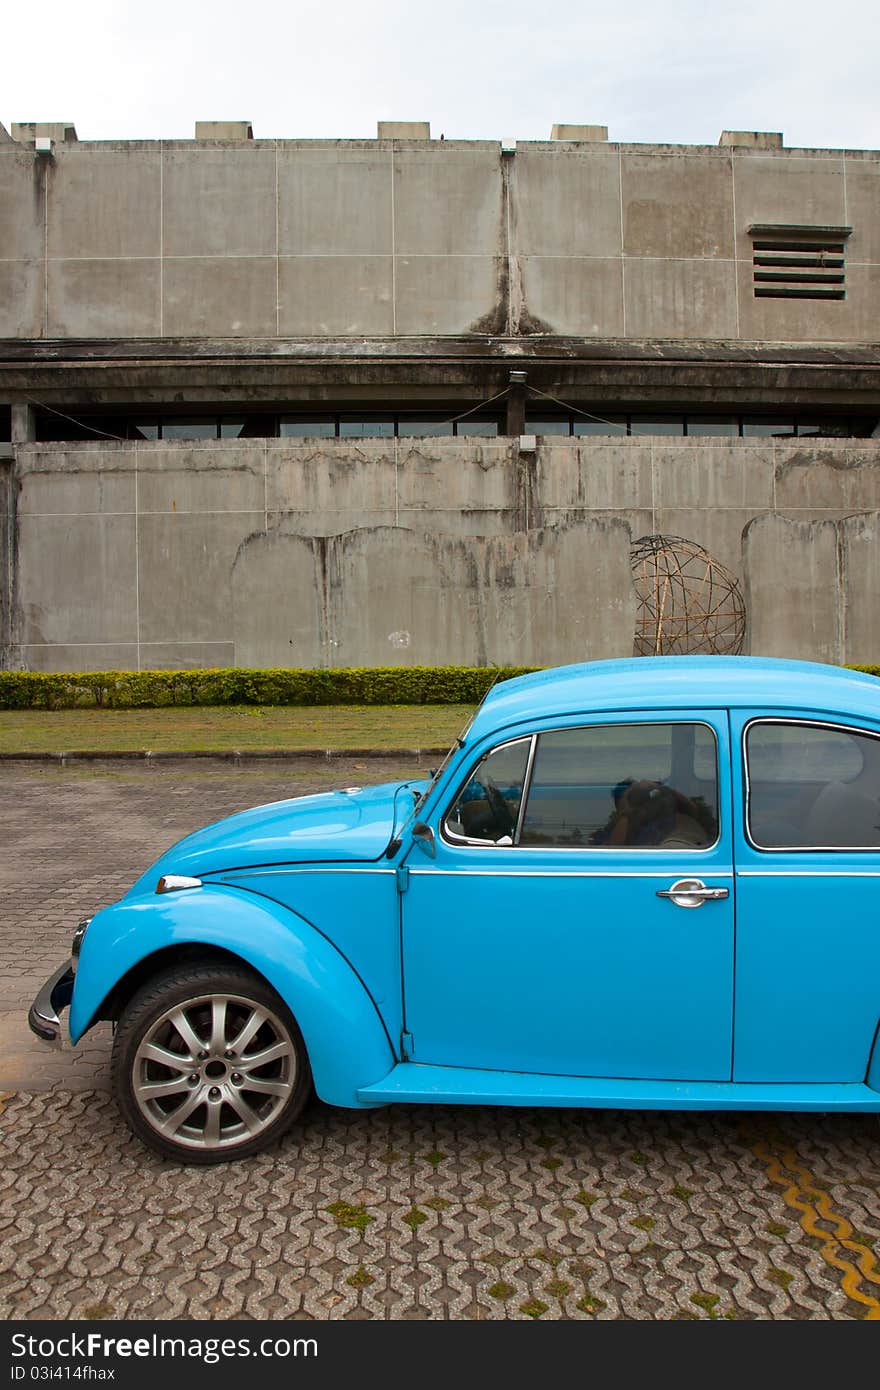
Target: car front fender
[[347, 1042]]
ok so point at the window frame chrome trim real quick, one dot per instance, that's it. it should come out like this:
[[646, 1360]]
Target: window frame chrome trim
[[747, 786], [460, 842], [448, 836], [527, 786]]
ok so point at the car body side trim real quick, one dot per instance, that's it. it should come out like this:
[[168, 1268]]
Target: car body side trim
[[808, 873], [562, 873], [272, 871]]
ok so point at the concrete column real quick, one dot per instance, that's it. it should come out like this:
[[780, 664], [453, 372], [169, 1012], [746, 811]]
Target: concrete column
[[24, 429], [516, 404]]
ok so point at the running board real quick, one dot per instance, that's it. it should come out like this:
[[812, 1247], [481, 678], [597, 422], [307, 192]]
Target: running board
[[411, 1082]]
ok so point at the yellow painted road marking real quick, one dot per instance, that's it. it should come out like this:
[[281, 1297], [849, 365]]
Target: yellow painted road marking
[[802, 1193]]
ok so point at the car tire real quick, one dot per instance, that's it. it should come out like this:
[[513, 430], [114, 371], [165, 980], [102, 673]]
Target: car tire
[[208, 1064]]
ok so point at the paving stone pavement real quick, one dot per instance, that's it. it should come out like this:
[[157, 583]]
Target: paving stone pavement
[[407, 1212]]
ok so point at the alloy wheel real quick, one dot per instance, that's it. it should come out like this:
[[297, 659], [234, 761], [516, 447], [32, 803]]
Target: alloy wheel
[[214, 1071]]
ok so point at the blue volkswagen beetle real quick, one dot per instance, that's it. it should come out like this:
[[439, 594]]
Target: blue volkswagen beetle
[[648, 883]]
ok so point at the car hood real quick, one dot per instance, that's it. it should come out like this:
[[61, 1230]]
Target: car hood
[[352, 824]]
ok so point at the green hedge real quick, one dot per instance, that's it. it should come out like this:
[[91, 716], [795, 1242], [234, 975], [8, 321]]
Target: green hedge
[[357, 685], [383, 685]]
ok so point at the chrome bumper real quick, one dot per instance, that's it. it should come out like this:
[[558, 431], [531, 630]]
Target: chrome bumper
[[53, 997]]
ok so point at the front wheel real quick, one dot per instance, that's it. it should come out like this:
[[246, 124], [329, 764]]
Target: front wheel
[[208, 1064]]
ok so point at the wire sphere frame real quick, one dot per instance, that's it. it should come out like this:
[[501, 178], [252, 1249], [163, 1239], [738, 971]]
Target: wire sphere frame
[[687, 603]]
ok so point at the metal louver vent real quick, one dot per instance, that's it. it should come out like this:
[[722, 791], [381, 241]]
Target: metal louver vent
[[799, 262]]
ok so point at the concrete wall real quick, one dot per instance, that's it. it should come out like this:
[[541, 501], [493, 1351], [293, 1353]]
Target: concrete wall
[[393, 237], [336, 552]]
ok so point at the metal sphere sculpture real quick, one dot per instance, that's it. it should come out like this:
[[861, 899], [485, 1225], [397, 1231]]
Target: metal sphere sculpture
[[686, 602]]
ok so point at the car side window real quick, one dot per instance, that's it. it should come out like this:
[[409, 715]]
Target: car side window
[[487, 807], [642, 786], [812, 786]]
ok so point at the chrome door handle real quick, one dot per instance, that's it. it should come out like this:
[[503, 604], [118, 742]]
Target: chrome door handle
[[692, 892]]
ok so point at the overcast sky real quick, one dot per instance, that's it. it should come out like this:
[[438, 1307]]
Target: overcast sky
[[651, 70]]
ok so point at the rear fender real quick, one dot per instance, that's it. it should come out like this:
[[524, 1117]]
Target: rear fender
[[347, 1042]]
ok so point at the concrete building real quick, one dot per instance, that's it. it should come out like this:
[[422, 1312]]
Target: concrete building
[[302, 402]]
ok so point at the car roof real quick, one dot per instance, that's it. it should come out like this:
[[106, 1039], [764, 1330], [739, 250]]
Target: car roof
[[683, 682]]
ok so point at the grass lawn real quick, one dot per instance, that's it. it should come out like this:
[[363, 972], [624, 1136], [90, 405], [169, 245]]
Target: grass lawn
[[228, 727]]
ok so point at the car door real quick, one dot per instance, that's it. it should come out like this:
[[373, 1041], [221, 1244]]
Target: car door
[[545, 937], [808, 896]]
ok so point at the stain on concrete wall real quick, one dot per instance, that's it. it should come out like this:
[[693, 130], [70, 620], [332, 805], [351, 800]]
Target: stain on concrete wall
[[396, 597], [400, 551], [792, 588]]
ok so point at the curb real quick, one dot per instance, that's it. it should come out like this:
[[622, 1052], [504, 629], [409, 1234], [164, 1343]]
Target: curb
[[230, 755]]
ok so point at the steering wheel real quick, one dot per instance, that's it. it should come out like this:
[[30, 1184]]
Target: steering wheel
[[499, 808]]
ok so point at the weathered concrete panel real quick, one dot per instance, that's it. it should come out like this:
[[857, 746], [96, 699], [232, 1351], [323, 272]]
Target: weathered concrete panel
[[677, 205], [792, 589], [860, 582], [540, 606], [345, 296], [696, 474], [78, 480], [21, 298], [806, 190], [21, 205], [278, 599], [184, 567], [410, 597], [433, 478], [820, 474], [448, 202], [235, 297], [527, 599], [446, 294], [186, 656], [107, 656], [105, 203], [680, 299], [77, 579], [863, 210], [566, 202], [351, 483], [104, 299], [334, 202], [219, 202], [595, 475], [202, 476], [568, 295]]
